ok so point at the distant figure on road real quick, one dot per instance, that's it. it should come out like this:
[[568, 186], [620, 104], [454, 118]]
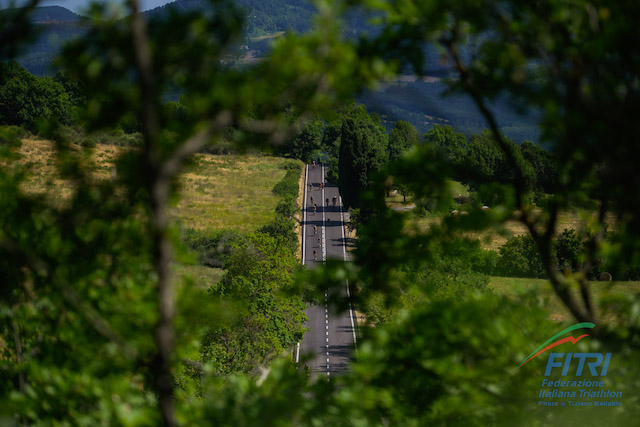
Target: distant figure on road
[[335, 201], [327, 201], [319, 241], [328, 221], [315, 208], [314, 165], [310, 186], [311, 199], [315, 255], [315, 229]]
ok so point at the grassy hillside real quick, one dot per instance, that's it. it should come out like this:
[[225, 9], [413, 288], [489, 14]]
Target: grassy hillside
[[542, 292], [229, 191], [216, 191]]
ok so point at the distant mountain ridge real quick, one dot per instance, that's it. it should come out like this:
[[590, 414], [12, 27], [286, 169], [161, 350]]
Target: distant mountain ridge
[[263, 17], [418, 102], [47, 14], [58, 24], [51, 14]]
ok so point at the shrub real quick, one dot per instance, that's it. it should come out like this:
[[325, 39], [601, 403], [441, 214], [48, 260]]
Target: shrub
[[568, 248], [519, 258], [419, 212], [212, 247], [284, 229], [291, 165], [88, 143], [288, 186], [287, 207]]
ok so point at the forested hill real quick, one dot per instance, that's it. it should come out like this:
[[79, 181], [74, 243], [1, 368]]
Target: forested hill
[[415, 101], [53, 14], [263, 17], [57, 24], [54, 25], [47, 14]]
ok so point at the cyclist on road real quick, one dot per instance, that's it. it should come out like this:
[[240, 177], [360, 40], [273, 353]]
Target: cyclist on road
[[327, 201], [319, 241], [328, 221], [335, 200], [311, 199], [314, 164], [315, 255], [315, 229], [315, 208]]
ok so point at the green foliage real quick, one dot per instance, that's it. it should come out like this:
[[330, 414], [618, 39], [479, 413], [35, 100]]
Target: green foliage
[[24, 98], [486, 162], [270, 315], [402, 137], [519, 257], [544, 165], [77, 304], [363, 144], [284, 229], [453, 144], [73, 88], [445, 355], [288, 186], [287, 207], [305, 145], [211, 247], [331, 146], [568, 249]]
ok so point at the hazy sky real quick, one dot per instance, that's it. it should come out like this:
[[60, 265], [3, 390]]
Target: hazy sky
[[78, 5]]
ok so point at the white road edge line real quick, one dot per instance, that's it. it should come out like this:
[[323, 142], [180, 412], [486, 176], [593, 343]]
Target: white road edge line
[[344, 255], [324, 208], [304, 233], [304, 213]]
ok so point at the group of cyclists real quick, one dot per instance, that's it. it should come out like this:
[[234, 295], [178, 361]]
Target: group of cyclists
[[334, 201]]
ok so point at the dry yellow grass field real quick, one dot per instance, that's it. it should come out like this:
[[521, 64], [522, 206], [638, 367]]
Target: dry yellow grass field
[[228, 191], [216, 191], [497, 236]]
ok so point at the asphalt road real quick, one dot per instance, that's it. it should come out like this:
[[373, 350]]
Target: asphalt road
[[330, 342]]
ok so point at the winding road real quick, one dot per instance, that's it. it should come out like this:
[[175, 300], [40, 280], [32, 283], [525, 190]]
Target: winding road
[[331, 339]]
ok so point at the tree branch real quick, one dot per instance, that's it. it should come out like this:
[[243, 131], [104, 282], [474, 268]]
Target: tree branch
[[159, 187]]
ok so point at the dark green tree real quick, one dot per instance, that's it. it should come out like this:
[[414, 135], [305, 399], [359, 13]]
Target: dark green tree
[[307, 142], [452, 143], [543, 164], [402, 137], [363, 144], [25, 98], [519, 258], [568, 248]]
